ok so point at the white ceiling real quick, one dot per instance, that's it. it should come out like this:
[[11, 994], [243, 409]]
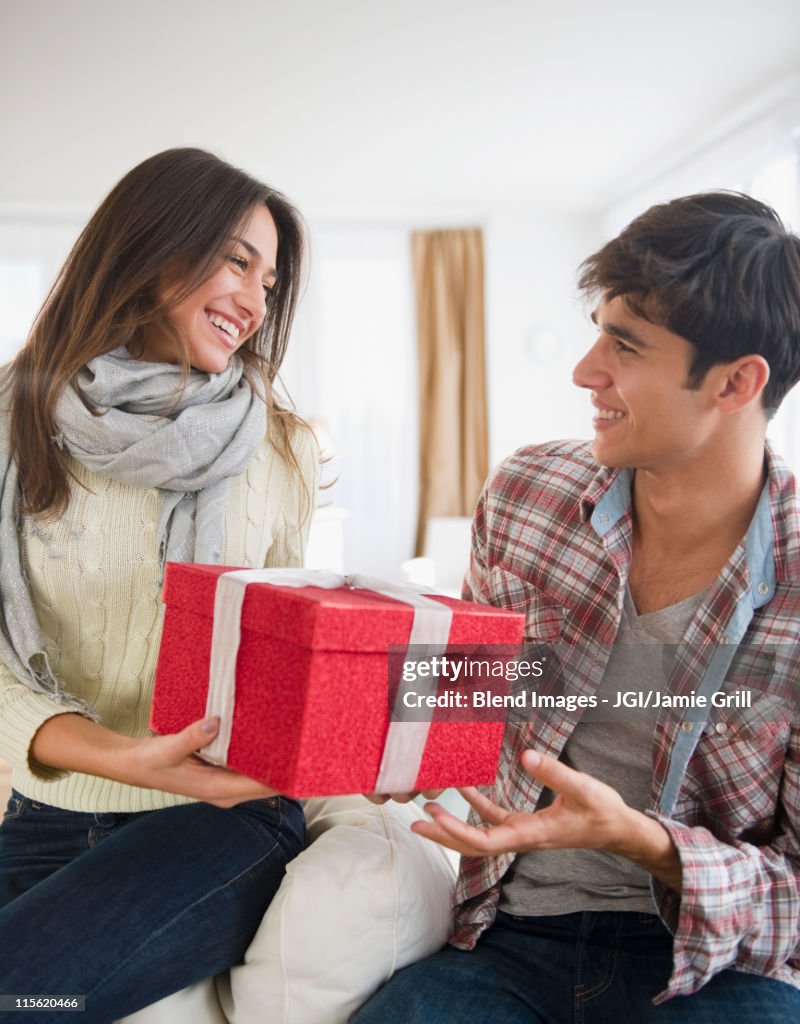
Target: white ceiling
[[362, 107]]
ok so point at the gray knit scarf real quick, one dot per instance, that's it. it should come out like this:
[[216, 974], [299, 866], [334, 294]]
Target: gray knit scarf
[[187, 443]]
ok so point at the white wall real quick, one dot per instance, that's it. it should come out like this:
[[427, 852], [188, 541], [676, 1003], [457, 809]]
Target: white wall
[[537, 327]]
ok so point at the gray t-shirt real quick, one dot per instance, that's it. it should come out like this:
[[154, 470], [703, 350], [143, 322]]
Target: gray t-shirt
[[618, 752]]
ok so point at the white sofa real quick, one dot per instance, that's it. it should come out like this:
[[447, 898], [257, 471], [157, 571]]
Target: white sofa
[[366, 898]]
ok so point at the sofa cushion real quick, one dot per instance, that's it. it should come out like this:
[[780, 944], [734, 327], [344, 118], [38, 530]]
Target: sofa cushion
[[197, 1004], [366, 898]]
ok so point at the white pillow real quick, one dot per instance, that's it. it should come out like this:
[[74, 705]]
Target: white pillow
[[197, 1004], [366, 898]]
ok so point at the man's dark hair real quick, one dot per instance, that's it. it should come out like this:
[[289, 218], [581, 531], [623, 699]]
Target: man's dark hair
[[718, 269]]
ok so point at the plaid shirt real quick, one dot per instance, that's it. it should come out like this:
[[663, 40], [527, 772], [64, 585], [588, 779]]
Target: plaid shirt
[[552, 538]]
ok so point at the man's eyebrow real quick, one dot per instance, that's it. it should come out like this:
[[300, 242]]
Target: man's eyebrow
[[618, 332], [252, 251]]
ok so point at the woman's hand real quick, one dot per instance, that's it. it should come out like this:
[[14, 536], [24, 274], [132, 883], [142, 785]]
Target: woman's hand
[[403, 798], [171, 763], [167, 763]]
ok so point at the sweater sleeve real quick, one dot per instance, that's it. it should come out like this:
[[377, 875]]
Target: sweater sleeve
[[22, 712]]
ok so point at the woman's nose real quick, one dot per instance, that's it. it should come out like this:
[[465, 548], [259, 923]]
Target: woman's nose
[[253, 299]]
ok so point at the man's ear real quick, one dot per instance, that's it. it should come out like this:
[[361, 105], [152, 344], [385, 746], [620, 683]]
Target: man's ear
[[741, 382]]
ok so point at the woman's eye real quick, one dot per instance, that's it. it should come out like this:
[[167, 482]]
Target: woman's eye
[[240, 261]]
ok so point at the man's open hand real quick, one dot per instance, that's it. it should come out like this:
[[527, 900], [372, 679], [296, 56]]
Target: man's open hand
[[586, 814]]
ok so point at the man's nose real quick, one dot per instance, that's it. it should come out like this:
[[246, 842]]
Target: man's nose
[[591, 372]]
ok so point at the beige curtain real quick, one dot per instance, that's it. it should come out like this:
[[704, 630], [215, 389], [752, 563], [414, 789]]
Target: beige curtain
[[448, 279]]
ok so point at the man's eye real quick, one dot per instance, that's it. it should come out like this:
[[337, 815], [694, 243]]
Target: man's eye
[[620, 346]]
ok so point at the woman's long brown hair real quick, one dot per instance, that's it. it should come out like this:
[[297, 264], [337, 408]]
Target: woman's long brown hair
[[169, 219]]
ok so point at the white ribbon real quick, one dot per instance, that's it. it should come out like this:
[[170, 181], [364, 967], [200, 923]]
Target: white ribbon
[[405, 741]]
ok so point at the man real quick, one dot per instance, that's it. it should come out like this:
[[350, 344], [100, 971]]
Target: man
[[646, 868]]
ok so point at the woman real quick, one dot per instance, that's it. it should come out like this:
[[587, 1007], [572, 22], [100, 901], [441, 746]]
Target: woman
[[140, 426]]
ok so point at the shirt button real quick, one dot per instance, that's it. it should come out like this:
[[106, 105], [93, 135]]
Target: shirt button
[[720, 728], [763, 588], [686, 726], [603, 517]]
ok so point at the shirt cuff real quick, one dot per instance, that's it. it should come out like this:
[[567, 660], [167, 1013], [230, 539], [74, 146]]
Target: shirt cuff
[[706, 917]]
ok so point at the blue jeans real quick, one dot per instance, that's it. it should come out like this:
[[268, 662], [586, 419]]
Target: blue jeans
[[126, 908], [587, 968]]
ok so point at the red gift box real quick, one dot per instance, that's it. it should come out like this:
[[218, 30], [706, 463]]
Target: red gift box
[[312, 707]]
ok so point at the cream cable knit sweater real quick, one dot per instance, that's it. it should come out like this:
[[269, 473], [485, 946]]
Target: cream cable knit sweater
[[94, 579]]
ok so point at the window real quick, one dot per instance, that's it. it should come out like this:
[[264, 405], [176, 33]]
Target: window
[[351, 368]]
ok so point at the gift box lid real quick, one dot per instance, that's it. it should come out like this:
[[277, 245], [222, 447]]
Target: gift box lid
[[332, 620]]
